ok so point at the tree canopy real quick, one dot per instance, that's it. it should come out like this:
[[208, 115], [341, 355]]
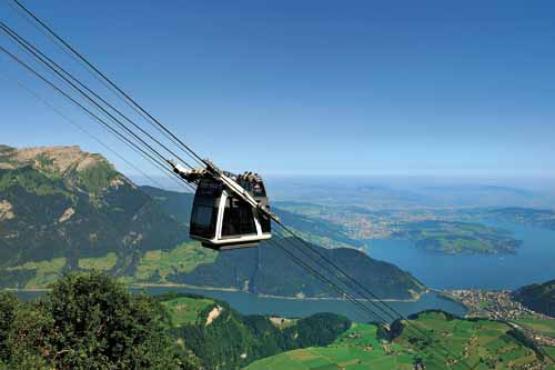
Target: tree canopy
[[87, 321]]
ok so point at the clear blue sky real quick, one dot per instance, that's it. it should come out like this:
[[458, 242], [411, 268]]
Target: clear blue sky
[[319, 87]]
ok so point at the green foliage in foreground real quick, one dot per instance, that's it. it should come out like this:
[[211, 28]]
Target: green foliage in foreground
[[449, 343], [87, 321]]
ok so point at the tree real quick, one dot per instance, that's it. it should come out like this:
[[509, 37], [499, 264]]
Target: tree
[[88, 321], [97, 323], [8, 306]]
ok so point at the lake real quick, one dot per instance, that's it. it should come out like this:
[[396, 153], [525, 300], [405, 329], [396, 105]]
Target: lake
[[249, 304], [533, 262]]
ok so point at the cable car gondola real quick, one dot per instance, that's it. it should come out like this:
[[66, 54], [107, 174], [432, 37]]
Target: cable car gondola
[[229, 211]]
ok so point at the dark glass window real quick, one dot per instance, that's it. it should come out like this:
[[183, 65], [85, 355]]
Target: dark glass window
[[203, 216], [203, 221], [265, 224], [238, 219], [205, 209]]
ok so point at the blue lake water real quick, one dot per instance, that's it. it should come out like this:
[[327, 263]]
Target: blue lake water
[[249, 304], [533, 262]]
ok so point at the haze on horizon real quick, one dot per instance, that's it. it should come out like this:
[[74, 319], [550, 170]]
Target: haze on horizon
[[399, 89]]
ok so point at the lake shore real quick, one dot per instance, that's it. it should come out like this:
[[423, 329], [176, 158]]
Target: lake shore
[[147, 286]]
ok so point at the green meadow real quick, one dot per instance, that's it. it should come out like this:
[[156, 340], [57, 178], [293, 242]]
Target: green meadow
[[438, 340]]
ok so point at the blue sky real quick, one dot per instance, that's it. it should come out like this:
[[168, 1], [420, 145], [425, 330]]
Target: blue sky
[[316, 87]]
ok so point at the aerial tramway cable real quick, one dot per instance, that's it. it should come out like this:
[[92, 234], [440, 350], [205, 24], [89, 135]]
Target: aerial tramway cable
[[391, 313], [75, 85], [105, 124], [39, 55], [327, 281], [80, 127], [132, 102]]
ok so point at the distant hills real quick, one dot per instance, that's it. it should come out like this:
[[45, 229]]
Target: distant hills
[[378, 193], [544, 218], [538, 297], [62, 209]]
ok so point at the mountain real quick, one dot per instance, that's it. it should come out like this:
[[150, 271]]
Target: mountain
[[62, 209], [538, 297], [63, 205], [266, 270], [398, 192]]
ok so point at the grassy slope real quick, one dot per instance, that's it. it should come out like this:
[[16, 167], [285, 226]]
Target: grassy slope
[[230, 340], [358, 348], [183, 258], [45, 272], [104, 263], [186, 310], [545, 326], [485, 344]]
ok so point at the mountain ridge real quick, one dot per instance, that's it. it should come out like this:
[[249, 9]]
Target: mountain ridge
[[538, 297]]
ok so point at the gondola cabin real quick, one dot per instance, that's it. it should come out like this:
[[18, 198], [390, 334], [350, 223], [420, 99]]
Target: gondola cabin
[[222, 221]]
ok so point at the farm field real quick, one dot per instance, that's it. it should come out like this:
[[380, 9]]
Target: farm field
[[105, 263], [449, 343], [543, 326], [183, 258]]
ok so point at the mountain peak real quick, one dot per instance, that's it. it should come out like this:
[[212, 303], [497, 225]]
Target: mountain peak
[[58, 159], [88, 171]]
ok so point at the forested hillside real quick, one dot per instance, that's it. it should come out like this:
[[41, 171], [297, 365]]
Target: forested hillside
[[221, 338], [538, 297], [61, 207], [265, 270]]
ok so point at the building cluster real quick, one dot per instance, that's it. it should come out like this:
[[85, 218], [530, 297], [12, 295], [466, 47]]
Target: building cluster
[[497, 305]]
